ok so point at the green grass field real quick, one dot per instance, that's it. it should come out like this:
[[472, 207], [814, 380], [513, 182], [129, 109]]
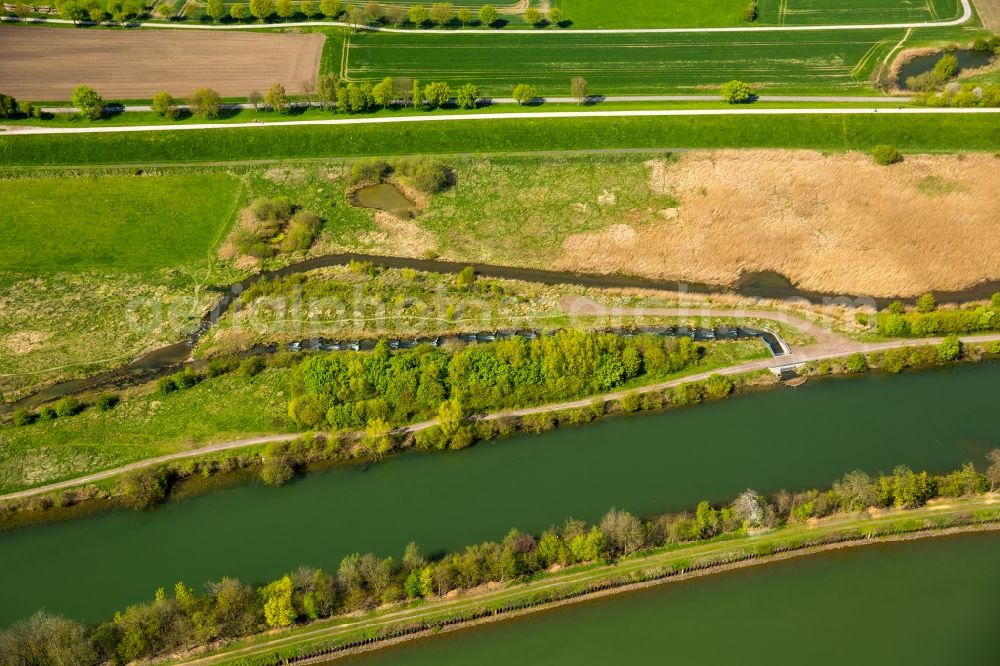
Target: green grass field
[[658, 14], [819, 62], [841, 12], [938, 133], [598, 14], [144, 425], [113, 223]]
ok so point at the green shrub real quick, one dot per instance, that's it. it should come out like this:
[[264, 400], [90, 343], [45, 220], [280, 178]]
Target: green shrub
[[277, 209], [22, 417], [886, 155], [926, 303], [221, 366], [949, 349], [186, 378], [426, 175], [252, 245], [430, 438], [252, 365], [107, 401], [145, 488], [857, 363], [47, 413], [369, 171], [165, 385], [718, 386], [750, 12], [68, 406], [736, 92], [301, 231], [629, 402]]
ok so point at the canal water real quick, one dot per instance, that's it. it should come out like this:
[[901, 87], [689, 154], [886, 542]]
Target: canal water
[[921, 602], [784, 438]]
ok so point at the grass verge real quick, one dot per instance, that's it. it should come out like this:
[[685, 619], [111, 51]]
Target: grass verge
[[937, 133]]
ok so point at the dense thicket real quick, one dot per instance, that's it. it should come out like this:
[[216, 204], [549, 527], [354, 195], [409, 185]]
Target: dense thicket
[[229, 608], [343, 390], [927, 321]]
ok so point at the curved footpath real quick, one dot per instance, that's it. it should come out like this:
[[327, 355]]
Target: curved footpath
[[827, 345], [964, 18], [21, 130]]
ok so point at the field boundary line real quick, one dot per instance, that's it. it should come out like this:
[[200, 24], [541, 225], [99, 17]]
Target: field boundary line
[[899, 45], [961, 20]]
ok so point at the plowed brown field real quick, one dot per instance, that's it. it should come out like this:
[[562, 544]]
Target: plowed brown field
[[46, 64]]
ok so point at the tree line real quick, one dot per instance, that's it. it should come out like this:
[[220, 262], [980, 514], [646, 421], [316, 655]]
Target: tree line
[[438, 14], [927, 320], [183, 617]]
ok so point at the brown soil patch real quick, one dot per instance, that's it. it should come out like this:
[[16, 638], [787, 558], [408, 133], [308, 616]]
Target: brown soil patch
[[24, 342], [989, 13], [47, 63], [400, 237], [834, 223]]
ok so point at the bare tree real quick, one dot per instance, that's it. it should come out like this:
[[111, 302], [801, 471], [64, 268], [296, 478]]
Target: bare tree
[[308, 90], [993, 471]]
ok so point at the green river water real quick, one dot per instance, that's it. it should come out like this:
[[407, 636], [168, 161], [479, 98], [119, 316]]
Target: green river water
[[927, 602], [785, 438]]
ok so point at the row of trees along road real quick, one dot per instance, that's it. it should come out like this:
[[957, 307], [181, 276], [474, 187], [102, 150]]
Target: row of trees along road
[[440, 14]]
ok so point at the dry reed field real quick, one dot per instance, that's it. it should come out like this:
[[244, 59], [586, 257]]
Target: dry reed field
[[46, 64], [835, 223]]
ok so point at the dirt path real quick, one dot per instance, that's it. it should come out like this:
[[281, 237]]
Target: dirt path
[[827, 345]]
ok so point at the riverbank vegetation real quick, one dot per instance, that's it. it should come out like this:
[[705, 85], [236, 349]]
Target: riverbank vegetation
[[455, 426], [574, 559], [927, 320], [196, 407]]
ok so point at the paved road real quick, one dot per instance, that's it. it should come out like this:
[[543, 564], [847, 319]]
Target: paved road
[[815, 99], [827, 345], [966, 15], [19, 130]]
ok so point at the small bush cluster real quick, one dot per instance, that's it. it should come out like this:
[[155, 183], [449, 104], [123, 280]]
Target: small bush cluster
[[886, 155], [64, 408], [965, 96], [422, 173], [278, 226]]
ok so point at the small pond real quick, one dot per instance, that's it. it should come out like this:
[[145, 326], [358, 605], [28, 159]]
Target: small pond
[[385, 197], [967, 59]]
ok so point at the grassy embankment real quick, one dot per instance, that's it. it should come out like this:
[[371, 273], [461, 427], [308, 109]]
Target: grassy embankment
[[582, 582], [938, 133]]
